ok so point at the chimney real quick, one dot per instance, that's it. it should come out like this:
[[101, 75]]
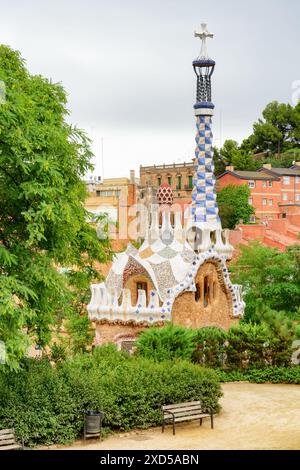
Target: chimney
[[268, 166], [229, 168], [132, 176]]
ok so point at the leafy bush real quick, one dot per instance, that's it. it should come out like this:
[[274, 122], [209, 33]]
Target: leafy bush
[[210, 347], [169, 342], [231, 214], [289, 375], [243, 346], [45, 404], [246, 346], [37, 403], [270, 278]]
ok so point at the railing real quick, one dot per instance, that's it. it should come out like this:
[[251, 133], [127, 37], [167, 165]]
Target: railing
[[168, 166]]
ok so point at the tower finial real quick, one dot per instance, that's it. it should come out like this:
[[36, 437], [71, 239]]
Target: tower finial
[[203, 35]]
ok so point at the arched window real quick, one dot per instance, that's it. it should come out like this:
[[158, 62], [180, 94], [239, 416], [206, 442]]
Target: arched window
[[197, 292], [206, 291], [142, 286]]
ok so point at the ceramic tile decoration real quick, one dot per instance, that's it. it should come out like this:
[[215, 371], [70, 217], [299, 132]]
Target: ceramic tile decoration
[[164, 277], [167, 252], [204, 203], [132, 268]]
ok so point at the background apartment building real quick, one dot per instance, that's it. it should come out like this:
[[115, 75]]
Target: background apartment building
[[179, 176], [274, 192], [114, 197]]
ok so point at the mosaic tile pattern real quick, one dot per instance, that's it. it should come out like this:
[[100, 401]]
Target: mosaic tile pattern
[[112, 313], [146, 253], [164, 194], [164, 277], [114, 281], [168, 253], [131, 250], [187, 255], [132, 267], [204, 204]]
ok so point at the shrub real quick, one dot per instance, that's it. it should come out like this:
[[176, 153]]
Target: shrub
[[210, 347], [289, 375], [37, 403], [169, 342], [45, 404], [246, 346]]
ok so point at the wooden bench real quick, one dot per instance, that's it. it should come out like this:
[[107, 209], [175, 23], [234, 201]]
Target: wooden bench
[[172, 414], [8, 440]]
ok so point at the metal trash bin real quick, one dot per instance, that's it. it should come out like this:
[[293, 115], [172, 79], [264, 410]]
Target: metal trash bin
[[92, 423]]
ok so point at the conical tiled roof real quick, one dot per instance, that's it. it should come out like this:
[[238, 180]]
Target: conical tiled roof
[[164, 194]]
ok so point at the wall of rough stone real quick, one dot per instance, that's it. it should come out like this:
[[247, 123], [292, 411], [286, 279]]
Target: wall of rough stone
[[191, 313], [115, 333]]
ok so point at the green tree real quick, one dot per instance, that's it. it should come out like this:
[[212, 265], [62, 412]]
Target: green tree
[[234, 206], [271, 279], [232, 155], [277, 131], [43, 224], [230, 151]]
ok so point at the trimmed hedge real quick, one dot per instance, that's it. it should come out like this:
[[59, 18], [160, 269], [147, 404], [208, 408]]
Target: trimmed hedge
[[170, 342], [288, 375], [210, 347], [244, 346], [45, 404]]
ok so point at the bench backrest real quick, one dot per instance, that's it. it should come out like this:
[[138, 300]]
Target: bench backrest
[[189, 404], [7, 437]]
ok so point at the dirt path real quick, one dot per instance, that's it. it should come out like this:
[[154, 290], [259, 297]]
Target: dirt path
[[253, 416]]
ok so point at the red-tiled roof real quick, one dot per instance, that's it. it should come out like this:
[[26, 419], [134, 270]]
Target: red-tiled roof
[[251, 175], [284, 171]]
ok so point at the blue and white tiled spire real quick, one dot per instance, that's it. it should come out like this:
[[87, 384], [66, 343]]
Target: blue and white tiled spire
[[204, 204], [204, 210]]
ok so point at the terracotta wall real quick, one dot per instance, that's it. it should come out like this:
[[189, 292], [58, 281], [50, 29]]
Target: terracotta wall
[[235, 236], [295, 219], [254, 232]]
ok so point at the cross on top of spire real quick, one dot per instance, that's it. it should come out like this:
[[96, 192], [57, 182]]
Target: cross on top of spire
[[203, 35]]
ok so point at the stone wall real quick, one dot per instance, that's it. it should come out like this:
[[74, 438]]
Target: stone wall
[[218, 311], [115, 333], [149, 176]]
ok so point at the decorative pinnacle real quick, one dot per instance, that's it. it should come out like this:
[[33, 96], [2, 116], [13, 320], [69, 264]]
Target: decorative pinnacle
[[203, 35]]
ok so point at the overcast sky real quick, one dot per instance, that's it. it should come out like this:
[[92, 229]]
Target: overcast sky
[[126, 66]]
